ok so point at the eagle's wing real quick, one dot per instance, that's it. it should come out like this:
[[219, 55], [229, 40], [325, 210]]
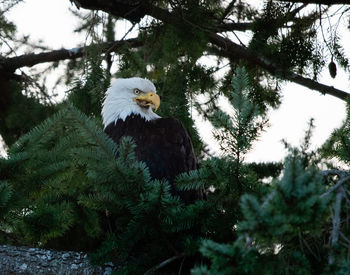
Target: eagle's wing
[[163, 144], [169, 151]]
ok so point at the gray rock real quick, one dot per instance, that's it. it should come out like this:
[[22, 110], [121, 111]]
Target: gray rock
[[32, 261]]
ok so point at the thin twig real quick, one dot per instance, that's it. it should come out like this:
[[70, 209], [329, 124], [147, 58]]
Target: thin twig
[[334, 172], [340, 182], [164, 263], [309, 249], [117, 43], [227, 10], [182, 263], [346, 198], [344, 237], [8, 45]]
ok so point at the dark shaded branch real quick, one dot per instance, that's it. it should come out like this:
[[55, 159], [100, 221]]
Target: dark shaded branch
[[139, 8], [234, 51], [335, 172], [132, 10], [344, 177], [341, 181], [29, 60], [321, 2], [224, 27], [228, 9], [314, 85], [164, 263]]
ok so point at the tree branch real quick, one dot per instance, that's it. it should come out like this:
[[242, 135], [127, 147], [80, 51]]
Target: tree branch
[[340, 182], [344, 177], [164, 263], [132, 10], [139, 8], [225, 27], [336, 224], [320, 2], [234, 51], [29, 60], [335, 172]]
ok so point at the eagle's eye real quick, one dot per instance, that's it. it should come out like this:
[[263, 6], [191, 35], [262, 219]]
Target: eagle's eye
[[137, 91]]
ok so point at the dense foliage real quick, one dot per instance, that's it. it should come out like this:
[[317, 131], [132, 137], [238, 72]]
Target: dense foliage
[[65, 184]]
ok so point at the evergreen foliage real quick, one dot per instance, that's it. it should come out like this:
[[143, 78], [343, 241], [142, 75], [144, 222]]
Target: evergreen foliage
[[79, 190], [290, 224], [21, 113], [284, 227], [66, 185], [87, 93], [5, 196], [295, 48], [338, 144], [295, 203]]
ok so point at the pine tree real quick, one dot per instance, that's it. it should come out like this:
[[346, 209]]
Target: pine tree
[[80, 191], [66, 185], [297, 224]]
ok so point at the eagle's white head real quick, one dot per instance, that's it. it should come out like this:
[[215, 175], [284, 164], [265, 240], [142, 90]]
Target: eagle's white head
[[128, 96]]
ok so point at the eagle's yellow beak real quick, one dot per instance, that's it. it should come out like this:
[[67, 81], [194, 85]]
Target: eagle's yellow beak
[[150, 99]]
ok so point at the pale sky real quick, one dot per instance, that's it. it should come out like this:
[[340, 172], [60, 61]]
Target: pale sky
[[52, 22]]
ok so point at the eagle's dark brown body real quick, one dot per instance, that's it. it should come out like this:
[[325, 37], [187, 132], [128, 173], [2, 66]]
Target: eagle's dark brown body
[[162, 143]]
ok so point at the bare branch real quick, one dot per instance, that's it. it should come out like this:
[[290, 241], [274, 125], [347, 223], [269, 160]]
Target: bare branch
[[320, 2], [228, 9], [225, 27], [134, 10], [334, 172], [336, 224], [344, 238], [235, 52], [29, 60], [344, 176], [343, 179], [164, 263]]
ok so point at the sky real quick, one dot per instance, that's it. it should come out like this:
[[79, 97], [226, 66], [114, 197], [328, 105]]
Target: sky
[[52, 22]]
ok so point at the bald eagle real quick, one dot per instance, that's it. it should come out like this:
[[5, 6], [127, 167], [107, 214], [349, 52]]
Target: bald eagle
[[162, 143]]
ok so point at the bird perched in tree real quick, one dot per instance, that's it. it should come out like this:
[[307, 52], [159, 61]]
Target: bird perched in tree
[[162, 143]]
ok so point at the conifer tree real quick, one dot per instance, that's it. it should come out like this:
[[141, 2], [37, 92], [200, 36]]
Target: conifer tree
[[66, 185], [92, 195], [296, 225]]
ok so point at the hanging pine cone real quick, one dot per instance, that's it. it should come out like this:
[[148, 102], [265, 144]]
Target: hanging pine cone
[[332, 69]]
